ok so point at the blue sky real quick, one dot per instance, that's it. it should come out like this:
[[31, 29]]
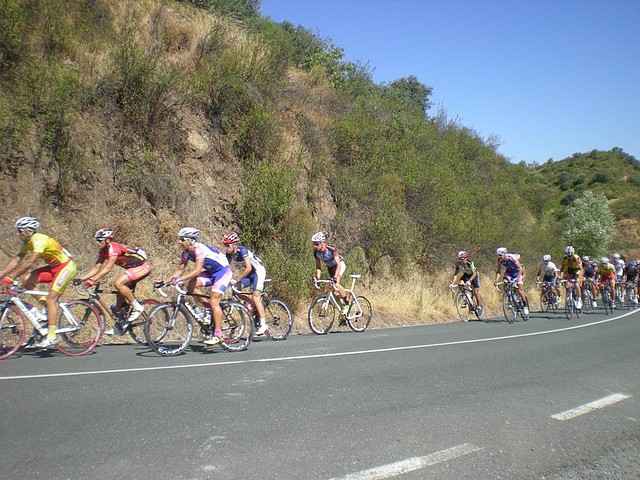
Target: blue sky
[[550, 78]]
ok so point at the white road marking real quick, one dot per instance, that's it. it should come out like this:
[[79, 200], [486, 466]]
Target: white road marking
[[307, 357], [411, 464], [590, 407]]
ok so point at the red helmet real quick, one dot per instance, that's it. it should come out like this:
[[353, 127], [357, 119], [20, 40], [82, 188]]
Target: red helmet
[[462, 255], [230, 238]]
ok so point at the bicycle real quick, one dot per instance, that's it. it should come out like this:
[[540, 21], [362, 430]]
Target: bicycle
[[571, 299], [169, 326], [278, 315], [629, 296], [119, 317], [325, 308], [607, 299], [79, 326], [619, 292], [512, 304], [548, 299], [466, 302], [587, 295]]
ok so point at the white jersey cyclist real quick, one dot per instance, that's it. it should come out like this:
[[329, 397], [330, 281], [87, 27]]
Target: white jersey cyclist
[[216, 270], [258, 273]]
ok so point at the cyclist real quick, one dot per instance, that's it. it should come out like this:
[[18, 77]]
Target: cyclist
[[607, 274], [590, 270], [631, 276], [211, 269], [619, 264], [572, 270], [513, 270], [136, 267], [336, 267], [468, 274], [58, 272], [253, 274], [550, 275]]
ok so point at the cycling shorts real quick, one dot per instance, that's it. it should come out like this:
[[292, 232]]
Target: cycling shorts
[[337, 270], [607, 277], [549, 280], [572, 275], [136, 274], [476, 281], [517, 278], [218, 281], [255, 279], [59, 275]]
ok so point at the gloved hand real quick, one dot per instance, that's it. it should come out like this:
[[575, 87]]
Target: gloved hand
[[6, 281], [89, 282], [158, 283]]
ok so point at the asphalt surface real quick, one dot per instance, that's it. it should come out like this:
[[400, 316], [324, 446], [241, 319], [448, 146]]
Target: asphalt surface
[[450, 401]]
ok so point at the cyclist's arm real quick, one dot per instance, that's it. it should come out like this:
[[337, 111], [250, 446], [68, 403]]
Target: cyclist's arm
[[247, 269], [178, 271], [197, 270], [26, 264], [102, 269], [498, 268], [11, 266], [318, 268]]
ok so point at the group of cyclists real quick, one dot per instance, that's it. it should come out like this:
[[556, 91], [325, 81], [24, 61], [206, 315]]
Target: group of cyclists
[[573, 267], [211, 269]]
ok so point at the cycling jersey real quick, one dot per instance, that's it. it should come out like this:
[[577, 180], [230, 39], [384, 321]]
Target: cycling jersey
[[51, 251], [631, 273], [126, 257], [214, 260], [258, 273], [589, 270], [606, 269], [570, 264], [548, 268], [511, 267], [328, 257], [467, 269], [619, 266]]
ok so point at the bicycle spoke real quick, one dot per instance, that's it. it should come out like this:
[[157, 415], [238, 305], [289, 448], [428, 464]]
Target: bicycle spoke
[[12, 331], [168, 329], [322, 315], [359, 315], [279, 319], [462, 307], [79, 327], [237, 327]]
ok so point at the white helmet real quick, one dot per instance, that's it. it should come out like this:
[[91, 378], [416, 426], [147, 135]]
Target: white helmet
[[616, 256], [27, 223], [501, 251], [570, 250], [189, 232], [604, 260], [586, 258], [318, 237], [547, 258]]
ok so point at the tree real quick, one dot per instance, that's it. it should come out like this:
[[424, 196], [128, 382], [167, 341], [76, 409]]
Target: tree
[[413, 92], [590, 224]]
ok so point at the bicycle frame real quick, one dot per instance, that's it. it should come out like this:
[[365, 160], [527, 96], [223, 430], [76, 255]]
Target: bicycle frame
[[35, 322], [331, 297]]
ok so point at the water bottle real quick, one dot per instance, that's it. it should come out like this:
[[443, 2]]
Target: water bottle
[[207, 317], [199, 312], [249, 307]]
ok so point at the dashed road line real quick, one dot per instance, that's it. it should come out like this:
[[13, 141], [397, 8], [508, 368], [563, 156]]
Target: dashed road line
[[590, 407], [412, 464]]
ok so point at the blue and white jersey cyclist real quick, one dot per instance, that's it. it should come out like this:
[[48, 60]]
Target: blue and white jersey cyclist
[[513, 270], [328, 254], [253, 274], [550, 274], [211, 269]]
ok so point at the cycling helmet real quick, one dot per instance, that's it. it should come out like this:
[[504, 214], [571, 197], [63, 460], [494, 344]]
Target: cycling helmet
[[501, 251], [462, 255], [189, 232], [230, 238], [604, 260], [547, 258], [104, 234], [570, 250], [27, 223], [631, 263], [318, 237], [616, 256], [586, 258]]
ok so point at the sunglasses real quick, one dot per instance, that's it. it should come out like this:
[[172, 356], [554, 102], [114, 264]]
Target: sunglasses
[[184, 239], [317, 244]]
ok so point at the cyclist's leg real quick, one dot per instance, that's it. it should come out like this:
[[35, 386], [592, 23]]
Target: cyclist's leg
[[218, 288]]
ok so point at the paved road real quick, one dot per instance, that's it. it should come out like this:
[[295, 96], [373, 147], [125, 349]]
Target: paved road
[[545, 399]]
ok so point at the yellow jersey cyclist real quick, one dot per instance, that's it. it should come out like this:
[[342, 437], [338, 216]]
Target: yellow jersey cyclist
[[328, 254], [514, 271], [572, 270], [58, 272], [549, 272], [466, 272], [607, 274]]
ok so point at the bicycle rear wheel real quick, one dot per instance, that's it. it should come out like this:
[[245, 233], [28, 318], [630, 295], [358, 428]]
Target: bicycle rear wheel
[[545, 304], [322, 314], [79, 327], [237, 326], [462, 307], [279, 319], [606, 301], [168, 329], [12, 331], [136, 328], [568, 305], [359, 314]]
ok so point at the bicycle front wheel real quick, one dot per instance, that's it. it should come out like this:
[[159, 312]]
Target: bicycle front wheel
[[359, 315], [237, 327], [322, 314], [168, 329], [12, 331], [545, 304], [279, 319], [508, 309], [568, 305], [462, 307], [79, 327]]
